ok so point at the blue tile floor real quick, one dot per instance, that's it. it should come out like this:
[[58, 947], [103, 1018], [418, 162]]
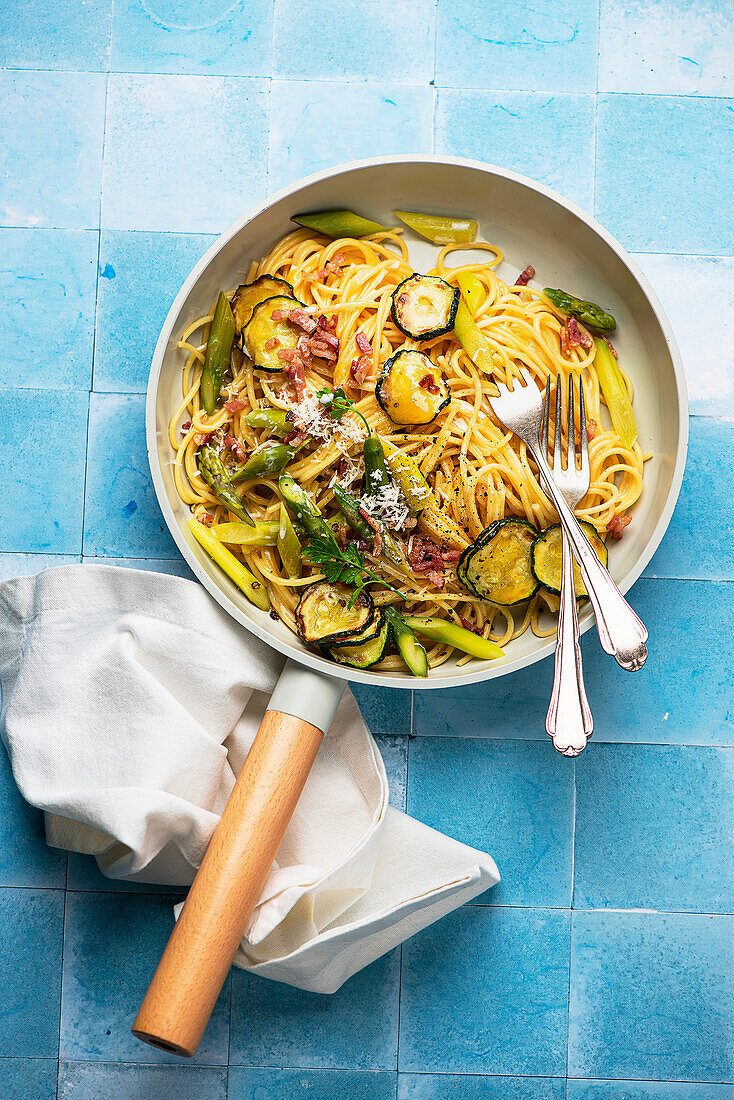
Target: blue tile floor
[[600, 968]]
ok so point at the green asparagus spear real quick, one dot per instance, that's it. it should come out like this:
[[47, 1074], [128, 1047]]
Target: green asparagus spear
[[338, 223], [253, 588], [350, 509], [441, 630], [269, 460], [218, 351], [274, 419], [376, 473], [408, 645], [215, 474], [299, 503], [439, 228], [289, 546], [586, 312]]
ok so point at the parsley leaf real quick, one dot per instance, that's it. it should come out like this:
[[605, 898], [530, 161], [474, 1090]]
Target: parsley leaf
[[338, 405], [342, 565]]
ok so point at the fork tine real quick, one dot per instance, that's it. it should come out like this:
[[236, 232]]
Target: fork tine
[[571, 438], [559, 425], [583, 431], [546, 418]]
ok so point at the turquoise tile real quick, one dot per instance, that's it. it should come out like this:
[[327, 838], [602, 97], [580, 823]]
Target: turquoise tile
[[193, 36], [31, 928], [652, 997], [131, 307], [156, 177], [668, 47], [354, 1028], [84, 874], [25, 858], [48, 284], [112, 944], [51, 152], [355, 40], [693, 141], [43, 466], [28, 1078], [523, 132], [283, 1084], [385, 710], [513, 799], [692, 287], [370, 119], [125, 1081], [452, 1086], [121, 516], [486, 991], [25, 565], [174, 568], [665, 840], [394, 752], [61, 35], [697, 543], [508, 47], [645, 1090]]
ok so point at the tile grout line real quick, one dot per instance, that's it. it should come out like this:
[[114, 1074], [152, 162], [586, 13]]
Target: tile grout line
[[570, 931], [596, 106], [61, 983]]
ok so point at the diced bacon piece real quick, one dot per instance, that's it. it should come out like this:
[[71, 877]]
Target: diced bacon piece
[[328, 323], [304, 350], [235, 405], [428, 383], [233, 444], [424, 556], [301, 318], [333, 268], [576, 335], [451, 556], [287, 354], [186, 425], [202, 437], [322, 351], [296, 438], [272, 343], [327, 338], [436, 579], [279, 315], [410, 523], [467, 623], [610, 345], [617, 525], [205, 519], [360, 368], [377, 545], [565, 344], [591, 426], [525, 276], [296, 373], [362, 343]]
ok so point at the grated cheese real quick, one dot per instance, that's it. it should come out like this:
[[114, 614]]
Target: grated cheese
[[388, 505]]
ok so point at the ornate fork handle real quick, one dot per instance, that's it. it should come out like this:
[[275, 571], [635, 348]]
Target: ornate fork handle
[[621, 632], [569, 720]]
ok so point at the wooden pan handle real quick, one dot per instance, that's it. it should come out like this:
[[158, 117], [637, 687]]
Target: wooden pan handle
[[199, 953]]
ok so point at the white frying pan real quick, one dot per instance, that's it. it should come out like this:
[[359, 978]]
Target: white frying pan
[[568, 249]]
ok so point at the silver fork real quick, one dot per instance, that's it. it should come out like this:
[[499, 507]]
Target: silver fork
[[569, 720], [621, 632]]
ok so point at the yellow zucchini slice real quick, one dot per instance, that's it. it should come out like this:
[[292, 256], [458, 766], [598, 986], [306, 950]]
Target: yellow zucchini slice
[[411, 389], [547, 558]]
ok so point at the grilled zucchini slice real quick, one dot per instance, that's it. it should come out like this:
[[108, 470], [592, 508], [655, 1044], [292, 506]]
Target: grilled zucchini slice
[[249, 295], [547, 558], [261, 330], [424, 306], [324, 616], [366, 653], [411, 389], [498, 565]]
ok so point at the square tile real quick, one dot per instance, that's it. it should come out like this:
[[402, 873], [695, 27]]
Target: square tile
[[385, 710], [25, 565], [152, 565], [666, 46], [51, 153], [26, 1078], [370, 119], [43, 466], [507, 47], [485, 990], [645, 1090], [452, 1086], [355, 41], [513, 799], [112, 944], [692, 287], [320, 1084], [67, 34], [31, 930], [523, 132], [131, 307], [93, 1080], [643, 856], [678, 146], [121, 516], [193, 36], [354, 1028], [652, 996], [394, 752], [48, 282], [25, 858], [166, 164]]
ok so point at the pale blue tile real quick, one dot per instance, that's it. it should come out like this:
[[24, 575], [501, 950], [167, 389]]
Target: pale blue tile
[[51, 152], [485, 990], [394, 752], [645, 1090], [523, 132], [678, 146], [666, 46], [28, 1078], [84, 874], [48, 285], [452, 1086], [31, 927], [284, 1084], [132, 306], [193, 36], [698, 541], [43, 466], [66, 34], [665, 840], [513, 799], [509, 47], [25, 858], [174, 568], [385, 710], [355, 40], [112, 945], [354, 1028], [125, 1081], [25, 565], [121, 517], [652, 997], [371, 120], [691, 288], [183, 153]]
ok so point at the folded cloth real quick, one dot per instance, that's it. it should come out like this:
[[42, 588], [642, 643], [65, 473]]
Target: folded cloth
[[129, 703]]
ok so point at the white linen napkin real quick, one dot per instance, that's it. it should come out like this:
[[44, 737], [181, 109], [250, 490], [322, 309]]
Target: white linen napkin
[[129, 702]]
